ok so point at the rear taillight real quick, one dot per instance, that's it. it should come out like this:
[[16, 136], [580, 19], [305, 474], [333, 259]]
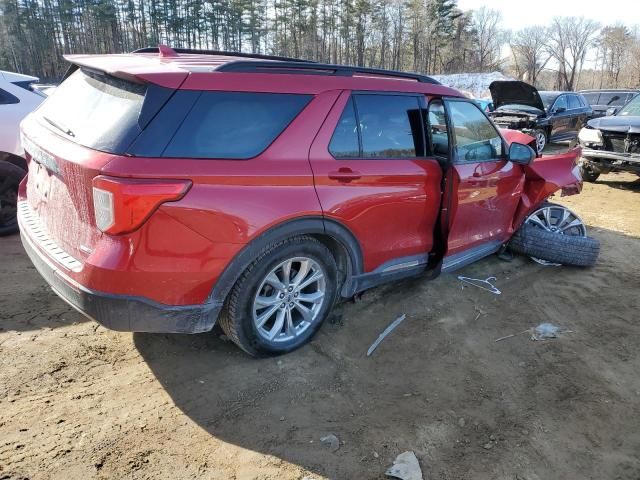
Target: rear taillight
[[121, 205]]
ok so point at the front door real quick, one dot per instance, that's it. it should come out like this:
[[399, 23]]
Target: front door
[[372, 175], [485, 188]]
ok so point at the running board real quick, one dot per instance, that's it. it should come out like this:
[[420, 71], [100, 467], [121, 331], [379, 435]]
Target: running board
[[459, 260]]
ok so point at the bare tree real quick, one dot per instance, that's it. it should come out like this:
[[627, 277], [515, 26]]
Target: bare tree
[[570, 38], [531, 56], [614, 46], [486, 23]]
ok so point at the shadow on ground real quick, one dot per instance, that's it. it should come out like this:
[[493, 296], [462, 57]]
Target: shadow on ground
[[439, 384]]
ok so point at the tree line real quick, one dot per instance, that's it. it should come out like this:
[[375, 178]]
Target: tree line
[[425, 36]]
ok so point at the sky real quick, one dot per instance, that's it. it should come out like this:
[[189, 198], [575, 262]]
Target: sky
[[521, 13]]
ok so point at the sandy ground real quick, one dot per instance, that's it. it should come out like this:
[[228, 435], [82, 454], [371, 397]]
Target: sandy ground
[[79, 402]]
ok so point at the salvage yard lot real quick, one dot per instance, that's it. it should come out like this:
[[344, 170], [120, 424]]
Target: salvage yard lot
[[78, 401]]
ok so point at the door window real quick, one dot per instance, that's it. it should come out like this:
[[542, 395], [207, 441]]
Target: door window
[[561, 102], [574, 103], [379, 126], [476, 139]]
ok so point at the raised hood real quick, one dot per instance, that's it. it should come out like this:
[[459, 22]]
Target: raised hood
[[617, 123], [508, 92]]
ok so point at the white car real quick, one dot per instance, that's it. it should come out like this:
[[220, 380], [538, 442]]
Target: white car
[[17, 99]]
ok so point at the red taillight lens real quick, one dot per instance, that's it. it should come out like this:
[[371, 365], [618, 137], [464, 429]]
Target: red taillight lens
[[121, 205]]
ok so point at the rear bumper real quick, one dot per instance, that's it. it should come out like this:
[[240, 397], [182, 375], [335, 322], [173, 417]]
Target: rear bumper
[[122, 312]]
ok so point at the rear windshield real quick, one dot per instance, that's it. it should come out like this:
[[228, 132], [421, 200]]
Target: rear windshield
[[97, 111], [234, 125]]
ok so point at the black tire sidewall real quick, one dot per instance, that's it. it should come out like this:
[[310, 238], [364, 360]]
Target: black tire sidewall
[[246, 329], [16, 174]]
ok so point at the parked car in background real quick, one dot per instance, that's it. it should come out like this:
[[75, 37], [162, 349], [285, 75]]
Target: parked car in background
[[612, 143], [608, 102], [485, 104], [17, 99], [547, 116], [172, 189]]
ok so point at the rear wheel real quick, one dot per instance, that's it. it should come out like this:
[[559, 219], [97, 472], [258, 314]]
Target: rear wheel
[[589, 174], [282, 298], [10, 177]]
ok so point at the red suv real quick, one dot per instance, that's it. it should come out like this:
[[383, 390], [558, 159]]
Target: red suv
[[170, 189]]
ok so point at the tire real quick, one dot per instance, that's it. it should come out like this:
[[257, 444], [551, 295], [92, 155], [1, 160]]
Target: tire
[[589, 174], [564, 249], [541, 140], [10, 177], [243, 312]]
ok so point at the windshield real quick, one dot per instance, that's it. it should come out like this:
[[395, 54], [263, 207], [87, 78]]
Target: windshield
[[631, 109], [97, 111], [547, 99]]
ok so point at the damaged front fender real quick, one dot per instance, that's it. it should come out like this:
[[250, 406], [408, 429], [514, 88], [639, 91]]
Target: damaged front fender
[[544, 177]]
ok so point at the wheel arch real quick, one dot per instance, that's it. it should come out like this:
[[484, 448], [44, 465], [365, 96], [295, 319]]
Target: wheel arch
[[14, 159], [333, 234]]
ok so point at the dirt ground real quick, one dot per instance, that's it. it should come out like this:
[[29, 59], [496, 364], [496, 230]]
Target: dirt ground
[[80, 402]]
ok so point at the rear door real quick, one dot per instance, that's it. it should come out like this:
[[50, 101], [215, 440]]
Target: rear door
[[485, 188], [560, 118], [578, 114], [372, 175]]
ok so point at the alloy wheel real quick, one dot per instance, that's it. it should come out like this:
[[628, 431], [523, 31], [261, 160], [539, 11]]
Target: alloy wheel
[[556, 219], [541, 141], [289, 299]]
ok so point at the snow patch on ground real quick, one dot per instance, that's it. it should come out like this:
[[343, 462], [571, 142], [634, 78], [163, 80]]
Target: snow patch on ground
[[475, 85]]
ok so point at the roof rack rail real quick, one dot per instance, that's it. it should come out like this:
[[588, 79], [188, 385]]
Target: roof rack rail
[[313, 68], [257, 56]]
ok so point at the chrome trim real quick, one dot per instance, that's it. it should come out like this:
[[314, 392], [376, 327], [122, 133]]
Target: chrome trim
[[459, 260], [30, 222], [402, 266], [604, 154]]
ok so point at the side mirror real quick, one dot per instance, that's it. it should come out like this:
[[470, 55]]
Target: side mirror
[[521, 154], [559, 110], [611, 111]]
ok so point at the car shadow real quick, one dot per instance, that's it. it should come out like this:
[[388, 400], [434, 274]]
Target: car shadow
[[631, 186]]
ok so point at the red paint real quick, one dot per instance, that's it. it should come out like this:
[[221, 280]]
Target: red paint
[[175, 255]]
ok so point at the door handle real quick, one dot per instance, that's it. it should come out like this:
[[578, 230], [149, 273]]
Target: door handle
[[344, 175]]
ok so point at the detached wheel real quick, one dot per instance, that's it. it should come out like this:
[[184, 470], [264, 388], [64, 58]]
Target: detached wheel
[[541, 140], [10, 177], [554, 235], [282, 298]]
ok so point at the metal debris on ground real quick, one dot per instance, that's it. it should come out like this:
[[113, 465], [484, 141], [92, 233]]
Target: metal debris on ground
[[386, 332], [331, 441], [483, 284], [405, 467]]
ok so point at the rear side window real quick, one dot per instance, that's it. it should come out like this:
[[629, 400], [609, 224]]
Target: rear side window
[[7, 99], [592, 98], [234, 125], [379, 126], [574, 102], [97, 111]]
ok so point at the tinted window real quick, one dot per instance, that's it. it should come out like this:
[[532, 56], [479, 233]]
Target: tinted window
[[234, 125], [476, 137], [574, 102], [344, 143], [390, 126], [592, 98], [613, 99], [561, 102], [6, 98], [437, 129], [97, 111]]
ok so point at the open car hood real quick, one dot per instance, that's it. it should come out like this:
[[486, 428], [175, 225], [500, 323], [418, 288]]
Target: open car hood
[[506, 92], [617, 123]]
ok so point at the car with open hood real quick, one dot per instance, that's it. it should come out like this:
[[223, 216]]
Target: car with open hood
[[612, 143], [549, 116]]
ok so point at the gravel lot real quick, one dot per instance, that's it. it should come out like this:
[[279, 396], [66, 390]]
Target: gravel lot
[[79, 402]]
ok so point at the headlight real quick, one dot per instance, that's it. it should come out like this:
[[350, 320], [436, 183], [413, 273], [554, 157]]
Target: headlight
[[590, 136]]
